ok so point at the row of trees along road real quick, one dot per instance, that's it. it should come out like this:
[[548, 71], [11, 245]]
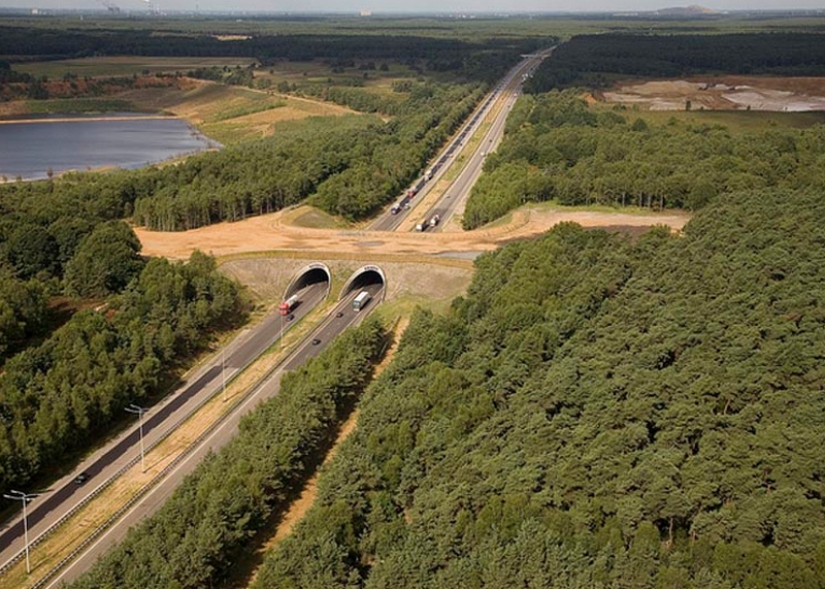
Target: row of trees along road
[[596, 412], [558, 148], [57, 396], [198, 533]]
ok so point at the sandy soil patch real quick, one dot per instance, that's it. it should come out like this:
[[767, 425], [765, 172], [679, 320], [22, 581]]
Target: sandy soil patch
[[724, 93], [269, 232]]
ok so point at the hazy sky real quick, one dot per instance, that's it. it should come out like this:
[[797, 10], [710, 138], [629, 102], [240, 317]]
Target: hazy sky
[[378, 6]]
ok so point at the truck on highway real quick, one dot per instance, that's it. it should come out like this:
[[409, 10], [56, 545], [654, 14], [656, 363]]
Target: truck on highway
[[428, 175], [288, 305], [361, 300], [416, 187], [434, 221]]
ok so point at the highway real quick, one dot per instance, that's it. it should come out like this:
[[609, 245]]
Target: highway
[[65, 495], [107, 463], [509, 89], [340, 318]]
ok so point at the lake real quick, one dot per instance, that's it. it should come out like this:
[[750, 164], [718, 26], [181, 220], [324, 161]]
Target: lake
[[30, 149]]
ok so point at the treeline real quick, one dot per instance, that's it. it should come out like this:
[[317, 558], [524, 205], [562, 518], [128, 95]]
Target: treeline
[[596, 60], [57, 396], [596, 412], [192, 541], [355, 166], [9, 76], [471, 60], [557, 148]]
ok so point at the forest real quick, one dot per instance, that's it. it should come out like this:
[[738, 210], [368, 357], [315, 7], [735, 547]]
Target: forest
[[596, 61], [464, 59], [193, 540], [559, 148], [58, 395], [596, 412]]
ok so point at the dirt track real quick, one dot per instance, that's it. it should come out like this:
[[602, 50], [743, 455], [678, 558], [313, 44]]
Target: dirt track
[[275, 232]]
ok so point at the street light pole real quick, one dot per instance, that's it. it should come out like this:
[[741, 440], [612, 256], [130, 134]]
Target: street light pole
[[25, 498], [139, 411]]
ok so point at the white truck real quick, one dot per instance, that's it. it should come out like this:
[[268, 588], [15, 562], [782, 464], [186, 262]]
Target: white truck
[[361, 300]]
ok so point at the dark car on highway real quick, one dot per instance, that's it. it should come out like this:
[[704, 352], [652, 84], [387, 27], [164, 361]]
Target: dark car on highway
[[81, 478], [316, 341]]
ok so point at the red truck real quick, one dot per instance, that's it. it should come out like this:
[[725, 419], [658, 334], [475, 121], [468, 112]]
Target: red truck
[[286, 307]]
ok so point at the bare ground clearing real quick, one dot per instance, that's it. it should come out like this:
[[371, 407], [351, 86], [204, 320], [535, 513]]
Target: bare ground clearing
[[273, 232], [779, 94]]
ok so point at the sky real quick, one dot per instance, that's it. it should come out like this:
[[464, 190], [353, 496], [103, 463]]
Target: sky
[[440, 6]]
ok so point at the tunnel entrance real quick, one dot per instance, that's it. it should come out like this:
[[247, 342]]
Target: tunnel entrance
[[367, 276], [310, 275]]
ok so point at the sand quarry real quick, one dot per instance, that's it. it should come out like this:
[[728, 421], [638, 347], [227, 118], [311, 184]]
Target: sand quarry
[[775, 94]]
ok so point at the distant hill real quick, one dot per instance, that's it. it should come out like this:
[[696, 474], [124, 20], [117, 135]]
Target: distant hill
[[685, 10]]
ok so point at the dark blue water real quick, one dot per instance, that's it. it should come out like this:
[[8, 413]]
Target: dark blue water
[[29, 150]]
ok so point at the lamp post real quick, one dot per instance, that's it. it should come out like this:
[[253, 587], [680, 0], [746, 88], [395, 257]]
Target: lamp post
[[25, 498], [139, 411]]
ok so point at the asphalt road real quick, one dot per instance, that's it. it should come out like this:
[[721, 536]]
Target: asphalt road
[[326, 331], [509, 87], [54, 503], [158, 421], [509, 90]]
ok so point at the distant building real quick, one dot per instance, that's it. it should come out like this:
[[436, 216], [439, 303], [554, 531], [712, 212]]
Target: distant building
[[365, 12]]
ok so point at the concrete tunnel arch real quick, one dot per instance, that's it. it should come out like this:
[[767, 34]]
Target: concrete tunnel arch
[[365, 275], [309, 274]]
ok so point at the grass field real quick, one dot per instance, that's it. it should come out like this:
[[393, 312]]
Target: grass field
[[124, 66]]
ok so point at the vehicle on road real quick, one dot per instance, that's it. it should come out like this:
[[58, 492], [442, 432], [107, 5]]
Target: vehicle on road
[[315, 341], [81, 478], [361, 300], [290, 317], [434, 221], [420, 226], [339, 314], [288, 305]]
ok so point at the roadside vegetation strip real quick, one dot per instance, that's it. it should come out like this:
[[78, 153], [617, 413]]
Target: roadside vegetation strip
[[97, 532], [175, 429], [189, 542]]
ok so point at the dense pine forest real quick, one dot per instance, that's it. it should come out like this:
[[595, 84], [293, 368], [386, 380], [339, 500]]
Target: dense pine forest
[[558, 148], [58, 395], [598, 60], [596, 412]]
